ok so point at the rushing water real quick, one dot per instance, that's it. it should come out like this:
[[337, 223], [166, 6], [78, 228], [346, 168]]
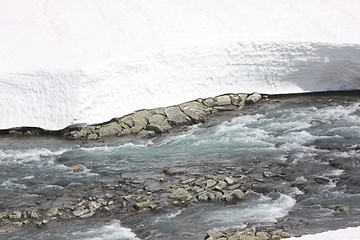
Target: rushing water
[[314, 138]]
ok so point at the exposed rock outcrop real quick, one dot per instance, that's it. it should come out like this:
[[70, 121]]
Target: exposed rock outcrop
[[148, 123]]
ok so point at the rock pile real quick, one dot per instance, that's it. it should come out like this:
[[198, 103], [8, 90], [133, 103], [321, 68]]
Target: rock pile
[[148, 123]]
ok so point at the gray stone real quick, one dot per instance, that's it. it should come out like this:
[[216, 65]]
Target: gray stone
[[92, 136], [82, 133], [87, 215], [79, 213], [141, 205], [187, 181], [181, 194], [203, 197], [209, 102], [195, 110], [3, 215], [223, 100], [268, 174], [158, 123], [215, 235], [34, 215], [146, 133], [229, 180], [253, 98], [210, 183], [52, 212], [15, 215], [221, 185], [127, 120], [238, 194], [322, 180], [176, 117], [110, 129]]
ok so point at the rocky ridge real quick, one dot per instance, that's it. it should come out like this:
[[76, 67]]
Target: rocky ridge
[[151, 122]]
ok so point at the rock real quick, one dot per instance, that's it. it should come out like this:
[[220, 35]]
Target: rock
[[15, 215], [253, 98], [159, 124], [77, 168], [3, 215], [87, 215], [79, 213], [235, 195], [229, 180], [286, 235], [141, 205], [268, 174], [52, 212], [210, 183], [322, 180], [221, 185], [110, 129], [215, 235], [93, 206], [222, 100], [181, 194], [262, 236], [203, 197], [187, 181], [195, 110], [176, 117], [17, 224], [82, 133], [209, 102], [339, 207], [92, 136], [34, 215], [145, 133]]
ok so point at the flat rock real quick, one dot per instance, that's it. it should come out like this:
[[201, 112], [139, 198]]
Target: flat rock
[[176, 117], [180, 194], [195, 110], [253, 98]]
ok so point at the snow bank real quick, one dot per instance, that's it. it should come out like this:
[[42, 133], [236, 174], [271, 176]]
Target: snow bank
[[66, 62], [348, 233]]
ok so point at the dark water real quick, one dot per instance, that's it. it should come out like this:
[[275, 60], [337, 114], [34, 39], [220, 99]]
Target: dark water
[[306, 138]]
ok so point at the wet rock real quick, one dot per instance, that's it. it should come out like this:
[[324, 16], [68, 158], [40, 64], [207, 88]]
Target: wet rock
[[339, 207], [235, 195], [77, 168], [253, 98], [145, 133], [181, 194], [322, 180]]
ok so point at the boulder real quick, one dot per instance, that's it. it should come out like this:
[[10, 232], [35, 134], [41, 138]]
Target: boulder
[[176, 117], [158, 123], [141, 205], [195, 110], [253, 98], [146, 133], [223, 100], [181, 194], [209, 102], [110, 129]]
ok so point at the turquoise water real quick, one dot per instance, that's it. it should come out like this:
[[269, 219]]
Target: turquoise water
[[305, 136]]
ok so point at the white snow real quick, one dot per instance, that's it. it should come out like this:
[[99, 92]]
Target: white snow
[[341, 234], [66, 62]]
